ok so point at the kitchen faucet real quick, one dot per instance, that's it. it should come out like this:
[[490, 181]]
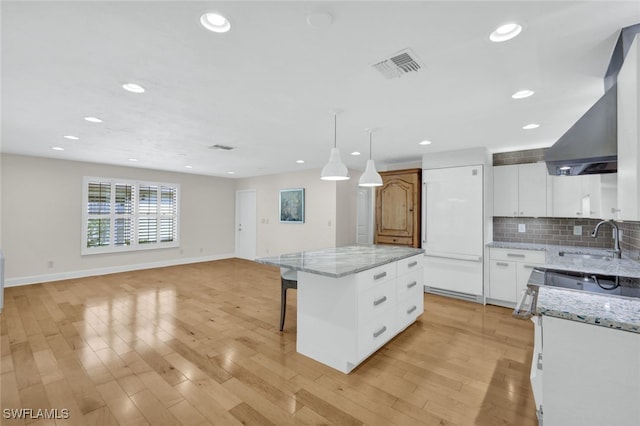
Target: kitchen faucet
[[616, 240]]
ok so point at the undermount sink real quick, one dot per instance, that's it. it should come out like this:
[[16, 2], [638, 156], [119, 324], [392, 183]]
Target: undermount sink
[[585, 256]]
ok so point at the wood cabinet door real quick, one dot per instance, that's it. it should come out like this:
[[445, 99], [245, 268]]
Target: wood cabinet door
[[398, 208]]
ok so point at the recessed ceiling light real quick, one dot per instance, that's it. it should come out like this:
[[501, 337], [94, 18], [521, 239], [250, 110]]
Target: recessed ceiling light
[[215, 22], [57, 148], [355, 153], [93, 119], [133, 159], [425, 142], [505, 32], [73, 138], [565, 168], [133, 88], [231, 173], [319, 20], [531, 126], [521, 94], [299, 161], [188, 167]]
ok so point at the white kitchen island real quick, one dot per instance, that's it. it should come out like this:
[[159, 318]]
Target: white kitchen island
[[354, 299]]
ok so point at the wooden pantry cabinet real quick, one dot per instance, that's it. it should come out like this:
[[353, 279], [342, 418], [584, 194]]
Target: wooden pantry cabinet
[[398, 203]]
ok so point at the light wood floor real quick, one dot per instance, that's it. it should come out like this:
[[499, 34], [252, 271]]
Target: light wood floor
[[199, 344]]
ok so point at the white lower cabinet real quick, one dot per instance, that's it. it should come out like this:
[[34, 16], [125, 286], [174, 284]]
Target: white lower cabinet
[[342, 321], [591, 374], [509, 271]]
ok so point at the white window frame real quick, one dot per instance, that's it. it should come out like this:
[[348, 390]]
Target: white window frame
[[134, 246]]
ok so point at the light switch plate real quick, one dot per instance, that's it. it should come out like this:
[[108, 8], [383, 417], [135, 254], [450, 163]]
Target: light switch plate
[[522, 227], [577, 230]]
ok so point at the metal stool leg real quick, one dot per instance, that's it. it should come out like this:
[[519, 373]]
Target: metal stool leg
[[285, 284], [283, 303]]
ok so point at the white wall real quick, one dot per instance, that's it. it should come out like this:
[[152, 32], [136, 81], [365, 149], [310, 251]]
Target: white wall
[[41, 215], [328, 211]]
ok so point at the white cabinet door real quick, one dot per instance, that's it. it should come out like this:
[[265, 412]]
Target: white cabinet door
[[591, 374], [503, 280], [532, 189], [567, 196], [520, 190], [505, 190], [591, 200], [523, 271], [629, 134], [609, 191]]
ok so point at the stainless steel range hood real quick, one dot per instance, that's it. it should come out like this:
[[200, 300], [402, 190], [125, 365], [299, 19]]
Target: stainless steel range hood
[[590, 146]]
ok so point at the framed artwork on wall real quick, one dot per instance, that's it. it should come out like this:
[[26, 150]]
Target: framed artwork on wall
[[292, 205]]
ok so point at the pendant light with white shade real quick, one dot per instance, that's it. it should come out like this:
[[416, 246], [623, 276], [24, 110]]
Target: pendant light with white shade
[[370, 177], [335, 168]]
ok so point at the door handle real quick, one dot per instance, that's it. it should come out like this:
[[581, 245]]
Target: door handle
[[379, 332], [380, 275], [379, 301]]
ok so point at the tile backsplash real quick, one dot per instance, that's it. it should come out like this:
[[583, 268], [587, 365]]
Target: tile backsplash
[[559, 231], [519, 157]]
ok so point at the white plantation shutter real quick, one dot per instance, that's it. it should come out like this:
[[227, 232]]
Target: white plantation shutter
[[121, 215], [168, 211], [123, 211]]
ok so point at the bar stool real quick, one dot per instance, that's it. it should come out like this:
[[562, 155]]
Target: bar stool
[[288, 279]]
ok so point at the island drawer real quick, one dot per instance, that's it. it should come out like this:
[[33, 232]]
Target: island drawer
[[410, 264], [375, 333], [517, 255], [409, 309], [408, 283], [377, 299], [374, 276]]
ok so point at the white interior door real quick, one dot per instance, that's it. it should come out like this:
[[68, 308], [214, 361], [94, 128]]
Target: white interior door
[[246, 224], [365, 216]]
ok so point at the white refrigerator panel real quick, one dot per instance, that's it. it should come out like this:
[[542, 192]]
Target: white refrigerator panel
[[463, 276], [453, 216]]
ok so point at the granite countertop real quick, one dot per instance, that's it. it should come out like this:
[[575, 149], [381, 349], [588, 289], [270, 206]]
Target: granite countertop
[[340, 261], [617, 312], [624, 267]]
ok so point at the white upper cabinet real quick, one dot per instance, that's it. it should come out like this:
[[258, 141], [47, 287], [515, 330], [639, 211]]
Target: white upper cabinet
[[520, 190], [629, 134], [582, 196]]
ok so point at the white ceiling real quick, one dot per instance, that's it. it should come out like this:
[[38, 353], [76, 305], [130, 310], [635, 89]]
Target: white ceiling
[[269, 85]]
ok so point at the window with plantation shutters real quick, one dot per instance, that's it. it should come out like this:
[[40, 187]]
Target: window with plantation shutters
[[121, 215]]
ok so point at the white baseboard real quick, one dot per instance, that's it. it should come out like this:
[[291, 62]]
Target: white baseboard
[[35, 279]]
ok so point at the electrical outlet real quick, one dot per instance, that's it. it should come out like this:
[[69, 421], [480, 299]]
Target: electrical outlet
[[577, 230], [522, 227]]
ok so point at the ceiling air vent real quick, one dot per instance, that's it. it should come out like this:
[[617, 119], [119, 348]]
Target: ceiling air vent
[[221, 147], [399, 63]]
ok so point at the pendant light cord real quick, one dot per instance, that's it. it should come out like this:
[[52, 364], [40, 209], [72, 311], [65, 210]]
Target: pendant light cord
[[335, 130], [370, 146]]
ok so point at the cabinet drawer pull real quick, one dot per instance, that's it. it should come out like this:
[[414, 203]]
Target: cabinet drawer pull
[[412, 284], [411, 309], [379, 301], [515, 255], [412, 264], [379, 332], [380, 275], [529, 266], [502, 264]]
